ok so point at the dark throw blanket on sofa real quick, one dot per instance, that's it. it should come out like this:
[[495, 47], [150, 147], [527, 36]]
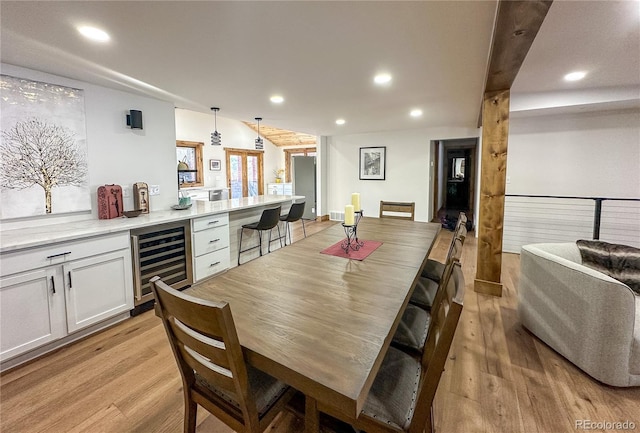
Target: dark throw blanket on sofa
[[621, 262]]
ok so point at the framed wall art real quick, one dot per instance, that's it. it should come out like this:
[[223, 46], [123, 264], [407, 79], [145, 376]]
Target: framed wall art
[[215, 165], [373, 163], [43, 151]]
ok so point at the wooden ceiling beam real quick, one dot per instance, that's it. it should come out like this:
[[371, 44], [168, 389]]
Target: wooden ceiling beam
[[516, 26]]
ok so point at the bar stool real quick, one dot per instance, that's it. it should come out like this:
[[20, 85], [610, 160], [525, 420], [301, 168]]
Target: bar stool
[[268, 220], [295, 214]]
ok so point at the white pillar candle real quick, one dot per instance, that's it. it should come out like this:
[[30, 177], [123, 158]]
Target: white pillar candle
[[349, 217], [355, 201]]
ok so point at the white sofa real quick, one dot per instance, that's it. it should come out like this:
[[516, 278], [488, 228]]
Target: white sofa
[[586, 316]]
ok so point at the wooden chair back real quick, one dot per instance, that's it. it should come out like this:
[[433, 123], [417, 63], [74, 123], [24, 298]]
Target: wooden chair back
[[204, 341], [406, 209], [444, 321]]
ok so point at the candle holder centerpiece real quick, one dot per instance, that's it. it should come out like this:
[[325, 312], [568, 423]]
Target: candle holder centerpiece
[[351, 231]]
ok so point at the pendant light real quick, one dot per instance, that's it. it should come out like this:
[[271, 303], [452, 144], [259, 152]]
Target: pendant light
[[259, 142], [216, 137]]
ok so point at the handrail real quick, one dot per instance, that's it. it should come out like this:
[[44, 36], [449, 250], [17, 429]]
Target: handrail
[[597, 213]]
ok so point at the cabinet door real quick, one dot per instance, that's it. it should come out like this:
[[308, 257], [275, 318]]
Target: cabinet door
[[97, 288], [31, 310]]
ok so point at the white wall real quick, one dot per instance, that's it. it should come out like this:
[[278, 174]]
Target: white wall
[[589, 154], [595, 154], [196, 126], [407, 168], [116, 153]]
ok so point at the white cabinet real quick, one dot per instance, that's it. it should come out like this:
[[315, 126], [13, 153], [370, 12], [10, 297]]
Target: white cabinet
[[280, 188], [50, 292], [210, 245], [31, 311], [96, 289]]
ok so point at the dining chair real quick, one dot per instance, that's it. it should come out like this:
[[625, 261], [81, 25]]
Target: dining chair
[[295, 214], [415, 323], [406, 209], [426, 289], [204, 341], [401, 397], [268, 220], [434, 269]]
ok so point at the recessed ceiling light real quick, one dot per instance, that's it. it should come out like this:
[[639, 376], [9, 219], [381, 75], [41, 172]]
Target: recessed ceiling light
[[94, 34], [340, 122], [575, 76], [277, 99], [416, 113], [382, 78]]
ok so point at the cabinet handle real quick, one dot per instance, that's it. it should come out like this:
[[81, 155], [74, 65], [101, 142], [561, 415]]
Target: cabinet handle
[[214, 222], [70, 284], [58, 255], [53, 285], [215, 240], [214, 264]]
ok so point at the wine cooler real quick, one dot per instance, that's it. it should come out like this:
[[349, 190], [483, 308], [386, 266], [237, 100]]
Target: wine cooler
[[162, 250]]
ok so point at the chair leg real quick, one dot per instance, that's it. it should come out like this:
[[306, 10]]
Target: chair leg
[[260, 240], [303, 229], [288, 230], [280, 236], [190, 412], [240, 246]]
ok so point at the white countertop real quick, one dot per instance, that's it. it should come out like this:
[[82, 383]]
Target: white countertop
[[11, 240]]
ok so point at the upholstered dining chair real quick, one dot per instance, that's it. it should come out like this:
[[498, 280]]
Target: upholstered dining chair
[[268, 220], [295, 214], [434, 269], [399, 210], [426, 289], [415, 323], [401, 397], [205, 344]]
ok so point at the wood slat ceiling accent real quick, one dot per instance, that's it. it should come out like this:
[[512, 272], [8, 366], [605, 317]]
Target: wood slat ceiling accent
[[283, 137]]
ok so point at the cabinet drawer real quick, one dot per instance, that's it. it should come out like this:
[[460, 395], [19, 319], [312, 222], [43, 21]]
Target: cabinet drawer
[[211, 263], [214, 239], [54, 254], [210, 221]]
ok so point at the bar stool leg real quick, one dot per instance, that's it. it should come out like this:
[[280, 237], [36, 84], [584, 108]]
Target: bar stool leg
[[303, 229], [288, 230], [260, 241], [240, 246], [280, 236]]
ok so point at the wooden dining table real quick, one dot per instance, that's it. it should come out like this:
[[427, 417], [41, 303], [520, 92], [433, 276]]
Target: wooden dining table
[[323, 323]]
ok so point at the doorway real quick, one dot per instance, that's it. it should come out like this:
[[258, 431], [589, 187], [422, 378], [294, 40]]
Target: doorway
[[455, 178], [244, 172]]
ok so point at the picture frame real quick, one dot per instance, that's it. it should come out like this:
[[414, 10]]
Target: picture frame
[[215, 165], [373, 163]]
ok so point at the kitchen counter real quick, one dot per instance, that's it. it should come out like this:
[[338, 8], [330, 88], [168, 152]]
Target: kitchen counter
[[11, 240]]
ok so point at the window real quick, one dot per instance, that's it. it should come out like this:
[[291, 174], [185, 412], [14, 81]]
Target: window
[[189, 160], [245, 172]]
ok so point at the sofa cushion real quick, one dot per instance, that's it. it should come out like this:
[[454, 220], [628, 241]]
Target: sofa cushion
[[621, 262]]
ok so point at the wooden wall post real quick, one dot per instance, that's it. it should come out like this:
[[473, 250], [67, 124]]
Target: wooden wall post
[[495, 132]]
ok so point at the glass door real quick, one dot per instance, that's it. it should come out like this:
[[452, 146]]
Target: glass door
[[244, 173]]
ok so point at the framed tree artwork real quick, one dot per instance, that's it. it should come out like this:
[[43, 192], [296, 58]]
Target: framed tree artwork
[[43, 152], [373, 163]]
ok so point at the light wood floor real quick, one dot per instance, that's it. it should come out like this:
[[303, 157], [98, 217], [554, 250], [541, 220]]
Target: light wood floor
[[499, 378]]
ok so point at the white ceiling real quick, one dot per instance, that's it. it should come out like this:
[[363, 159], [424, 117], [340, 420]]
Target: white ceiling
[[322, 56]]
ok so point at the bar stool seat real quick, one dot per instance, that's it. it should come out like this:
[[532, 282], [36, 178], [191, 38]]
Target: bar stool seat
[[295, 214], [268, 220]]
